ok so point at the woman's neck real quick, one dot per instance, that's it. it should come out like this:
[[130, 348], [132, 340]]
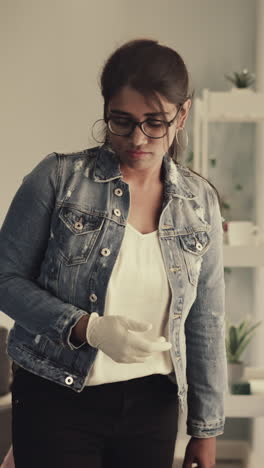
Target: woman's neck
[[141, 177]]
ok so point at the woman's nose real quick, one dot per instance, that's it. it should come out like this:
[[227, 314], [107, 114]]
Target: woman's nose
[[138, 137]]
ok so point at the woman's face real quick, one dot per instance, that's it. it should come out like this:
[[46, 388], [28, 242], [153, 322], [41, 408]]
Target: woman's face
[[138, 150]]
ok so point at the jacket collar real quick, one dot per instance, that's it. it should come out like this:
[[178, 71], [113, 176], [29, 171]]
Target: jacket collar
[[107, 168], [175, 179], [107, 165]]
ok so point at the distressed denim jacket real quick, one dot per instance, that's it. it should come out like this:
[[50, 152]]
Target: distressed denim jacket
[[58, 246]]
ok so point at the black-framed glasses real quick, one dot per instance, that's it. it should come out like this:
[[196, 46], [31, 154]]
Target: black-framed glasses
[[152, 128]]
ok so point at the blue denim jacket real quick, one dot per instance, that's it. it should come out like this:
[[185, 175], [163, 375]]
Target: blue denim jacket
[[58, 246]]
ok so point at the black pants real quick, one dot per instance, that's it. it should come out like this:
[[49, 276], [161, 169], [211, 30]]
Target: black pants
[[117, 425]]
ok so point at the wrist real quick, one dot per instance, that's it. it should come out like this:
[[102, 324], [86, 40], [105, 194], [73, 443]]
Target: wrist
[[89, 336], [78, 334]]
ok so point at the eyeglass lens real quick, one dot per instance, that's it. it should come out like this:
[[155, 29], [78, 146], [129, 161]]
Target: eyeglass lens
[[151, 127]]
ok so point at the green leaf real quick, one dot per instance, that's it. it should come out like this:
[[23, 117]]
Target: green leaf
[[213, 162], [190, 157], [238, 337], [241, 349], [227, 270], [226, 206], [233, 339], [242, 327], [242, 79], [248, 331]]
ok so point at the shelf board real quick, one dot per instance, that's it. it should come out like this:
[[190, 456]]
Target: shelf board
[[244, 406], [243, 255], [235, 118], [227, 106], [251, 372]]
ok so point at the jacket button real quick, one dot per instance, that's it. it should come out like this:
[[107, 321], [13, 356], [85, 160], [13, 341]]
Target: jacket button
[[78, 225], [105, 252], [69, 380], [118, 192], [93, 297], [199, 246], [117, 212]]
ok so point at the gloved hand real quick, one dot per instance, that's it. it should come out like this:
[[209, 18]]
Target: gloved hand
[[115, 336]]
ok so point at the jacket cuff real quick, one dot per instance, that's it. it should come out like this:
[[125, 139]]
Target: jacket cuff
[[66, 323], [204, 431]]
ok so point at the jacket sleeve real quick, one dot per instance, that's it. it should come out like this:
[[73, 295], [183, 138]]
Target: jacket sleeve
[[205, 338], [23, 241]]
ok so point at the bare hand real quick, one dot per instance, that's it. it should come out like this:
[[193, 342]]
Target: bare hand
[[200, 453]]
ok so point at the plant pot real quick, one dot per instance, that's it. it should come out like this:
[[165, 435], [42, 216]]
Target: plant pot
[[235, 372]]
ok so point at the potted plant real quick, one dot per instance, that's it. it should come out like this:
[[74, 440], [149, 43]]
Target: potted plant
[[237, 339], [241, 80]]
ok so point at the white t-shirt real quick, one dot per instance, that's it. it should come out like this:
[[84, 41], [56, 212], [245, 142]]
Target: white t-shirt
[[138, 289]]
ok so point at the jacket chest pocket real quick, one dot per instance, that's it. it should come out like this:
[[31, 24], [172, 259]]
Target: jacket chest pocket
[[76, 234], [194, 246]]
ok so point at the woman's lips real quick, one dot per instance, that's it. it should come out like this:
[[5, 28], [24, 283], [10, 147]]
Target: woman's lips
[[137, 154]]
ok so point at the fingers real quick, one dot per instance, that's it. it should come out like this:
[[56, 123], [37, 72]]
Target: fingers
[[158, 345], [135, 356], [141, 350], [138, 359], [162, 339], [145, 345], [135, 325]]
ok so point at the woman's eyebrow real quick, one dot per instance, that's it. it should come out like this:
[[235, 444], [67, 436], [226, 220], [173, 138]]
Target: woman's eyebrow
[[148, 114]]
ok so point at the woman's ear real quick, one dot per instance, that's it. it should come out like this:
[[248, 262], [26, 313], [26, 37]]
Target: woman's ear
[[184, 113]]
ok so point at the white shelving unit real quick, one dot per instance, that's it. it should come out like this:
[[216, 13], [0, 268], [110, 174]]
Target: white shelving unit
[[217, 106], [244, 406], [233, 106], [244, 256]]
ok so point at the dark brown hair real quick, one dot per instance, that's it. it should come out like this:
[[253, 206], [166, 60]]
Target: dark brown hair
[[151, 69]]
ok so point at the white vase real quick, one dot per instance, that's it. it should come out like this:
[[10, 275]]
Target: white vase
[[235, 372]]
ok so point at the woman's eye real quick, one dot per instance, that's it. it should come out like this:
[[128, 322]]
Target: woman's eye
[[154, 123], [121, 122]]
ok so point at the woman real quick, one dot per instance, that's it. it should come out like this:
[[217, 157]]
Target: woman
[[111, 266]]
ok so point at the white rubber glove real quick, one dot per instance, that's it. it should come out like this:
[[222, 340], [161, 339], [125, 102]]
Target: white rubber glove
[[115, 336]]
